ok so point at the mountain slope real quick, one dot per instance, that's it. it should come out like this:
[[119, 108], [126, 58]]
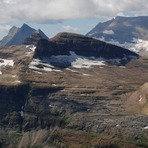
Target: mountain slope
[[10, 35], [137, 101], [70, 107], [20, 35], [128, 32]]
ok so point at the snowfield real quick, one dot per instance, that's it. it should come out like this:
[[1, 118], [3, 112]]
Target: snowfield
[[37, 64], [137, 45], [73, 60]]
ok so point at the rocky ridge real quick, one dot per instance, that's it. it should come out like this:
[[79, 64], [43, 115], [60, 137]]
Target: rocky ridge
[[69, 44]]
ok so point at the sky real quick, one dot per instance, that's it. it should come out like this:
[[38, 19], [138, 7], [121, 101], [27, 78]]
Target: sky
[[53, 16]]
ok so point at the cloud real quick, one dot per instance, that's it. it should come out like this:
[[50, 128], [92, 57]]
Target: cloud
[[4, 28], [55, 11], [69, 28]]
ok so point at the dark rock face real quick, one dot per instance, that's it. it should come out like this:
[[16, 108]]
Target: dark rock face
[[122, 29], [17, 36], [12, 98], [63, 43], [35, 37]]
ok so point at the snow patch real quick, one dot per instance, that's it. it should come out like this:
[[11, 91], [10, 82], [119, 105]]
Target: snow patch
[[137, 45], [140, 98], [91, 34], [31, 47], [77, 61], [146, 127], [110, 32], [22, 113], [17, 81], [72, 70], [4, 62], [50, 105], [14, 76], [37, 64], [84, 74], [82, 62]]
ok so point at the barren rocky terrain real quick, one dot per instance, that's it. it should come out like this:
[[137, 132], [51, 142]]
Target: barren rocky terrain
[[101, 106]]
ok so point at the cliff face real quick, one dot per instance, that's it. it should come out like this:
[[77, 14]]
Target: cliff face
[[13, 97], [63, 43]]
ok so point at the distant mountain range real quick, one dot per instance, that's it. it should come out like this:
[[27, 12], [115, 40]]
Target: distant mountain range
[[128, 32], [17, 36]]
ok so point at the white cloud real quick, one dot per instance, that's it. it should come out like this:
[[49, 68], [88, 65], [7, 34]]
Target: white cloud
[[69, 28], [4, 28], [50, 11]]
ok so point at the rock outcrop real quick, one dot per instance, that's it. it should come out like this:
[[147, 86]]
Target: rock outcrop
[[64, 43]]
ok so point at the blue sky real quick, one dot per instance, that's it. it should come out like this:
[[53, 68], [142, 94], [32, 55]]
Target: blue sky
[[53, 16]]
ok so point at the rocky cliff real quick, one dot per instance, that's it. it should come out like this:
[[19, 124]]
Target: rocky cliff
[[64, 43]]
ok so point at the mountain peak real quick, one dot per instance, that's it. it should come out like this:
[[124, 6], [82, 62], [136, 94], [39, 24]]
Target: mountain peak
[[25, 25], [67, 35], [123, 30], [17, 36]]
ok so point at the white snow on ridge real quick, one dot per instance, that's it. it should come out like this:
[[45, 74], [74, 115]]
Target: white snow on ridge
[[86, 63], [90, 34], [77, 61], [4, 62], [110, 32], [72, 59], [137, 45], [31, 47], [37, 64]]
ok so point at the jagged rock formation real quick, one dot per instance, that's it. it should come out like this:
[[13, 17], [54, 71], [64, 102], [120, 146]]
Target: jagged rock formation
[[17, 36]]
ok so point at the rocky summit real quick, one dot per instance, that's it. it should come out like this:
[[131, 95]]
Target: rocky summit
[[97, 100], [18, 36], [69, 44]]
